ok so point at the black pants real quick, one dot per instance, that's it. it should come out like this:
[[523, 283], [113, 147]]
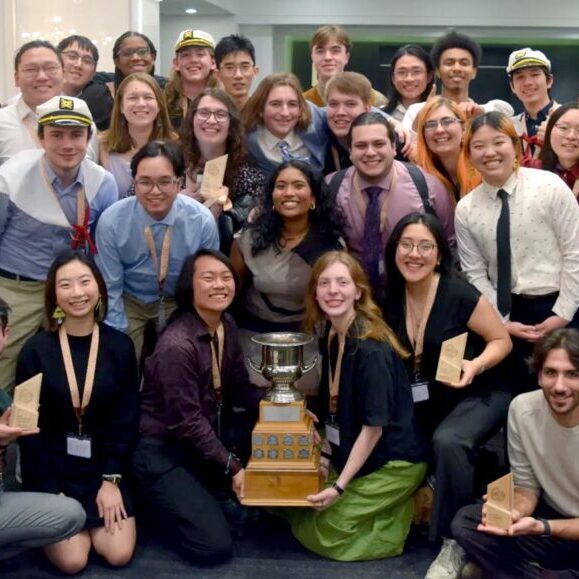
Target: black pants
[[470, 424], [528, 311], [516, 557], [174, 490]]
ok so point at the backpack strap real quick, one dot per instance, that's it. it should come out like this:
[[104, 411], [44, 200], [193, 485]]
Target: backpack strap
[[420, 183], [336, 181]]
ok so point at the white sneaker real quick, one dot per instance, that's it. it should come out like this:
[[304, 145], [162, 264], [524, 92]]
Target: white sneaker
[[449, 562]]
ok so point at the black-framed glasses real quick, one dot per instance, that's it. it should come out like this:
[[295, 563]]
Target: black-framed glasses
[[73, 56], [445, 123], [424, 248], [165, 185], [220, 115]]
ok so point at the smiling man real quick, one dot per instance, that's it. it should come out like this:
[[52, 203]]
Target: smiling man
[[50, 198], [543, 442], [330, 50], [193, 67], [531, 81], [143, 240], [377, 191]]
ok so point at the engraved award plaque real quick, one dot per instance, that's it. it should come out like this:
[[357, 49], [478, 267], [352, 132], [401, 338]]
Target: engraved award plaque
[[283, 468], [500, 502], [450, 361], [24, 412]]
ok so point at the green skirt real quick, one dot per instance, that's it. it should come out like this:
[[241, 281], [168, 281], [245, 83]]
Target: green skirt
[[371, 520]]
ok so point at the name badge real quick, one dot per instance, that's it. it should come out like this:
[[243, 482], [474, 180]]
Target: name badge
[[419, 388], [333, 433], [78, 446]]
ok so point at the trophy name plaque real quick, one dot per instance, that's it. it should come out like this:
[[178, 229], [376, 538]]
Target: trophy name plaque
[[24, 412], [283, 468], [450, 361], [499, 503]]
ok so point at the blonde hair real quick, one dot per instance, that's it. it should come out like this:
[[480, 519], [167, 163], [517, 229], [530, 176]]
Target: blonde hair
[[252, 113], [369, 323], [351, 83], [466, 175], [117, 138]]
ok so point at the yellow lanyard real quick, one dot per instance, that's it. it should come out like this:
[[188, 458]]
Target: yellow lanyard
[[78, 406], [80, 198], [161, 267], [334, 378], [417, 328], [217, 358]]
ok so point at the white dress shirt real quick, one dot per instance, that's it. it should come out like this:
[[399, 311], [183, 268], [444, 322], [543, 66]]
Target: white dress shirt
[[270, 145], [544, 224]]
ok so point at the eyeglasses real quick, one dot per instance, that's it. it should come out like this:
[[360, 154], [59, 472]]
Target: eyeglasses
[[424, 248], [165, 185], [205, 114], [129, 52], [445, 123], [401, 73], [72, 56], [34, 71], [565, 130], [231, 69]]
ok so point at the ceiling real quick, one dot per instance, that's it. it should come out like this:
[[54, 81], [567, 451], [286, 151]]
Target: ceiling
[[177, 8]]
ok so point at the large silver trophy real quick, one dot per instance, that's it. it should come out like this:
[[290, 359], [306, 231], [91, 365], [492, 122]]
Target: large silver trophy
[[283, 468]]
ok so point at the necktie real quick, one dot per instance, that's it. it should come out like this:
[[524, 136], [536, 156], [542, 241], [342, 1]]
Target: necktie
[[372, 238], [504, 256], [285, 151]]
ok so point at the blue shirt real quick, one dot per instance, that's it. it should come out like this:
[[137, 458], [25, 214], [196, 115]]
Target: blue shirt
[[27, 245], [123, 254]]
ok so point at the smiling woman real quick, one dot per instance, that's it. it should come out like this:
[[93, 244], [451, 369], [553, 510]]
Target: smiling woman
[[139, 116]]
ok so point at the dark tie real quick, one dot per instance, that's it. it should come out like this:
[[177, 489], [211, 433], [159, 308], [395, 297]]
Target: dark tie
[[372, 239], [504, 256]]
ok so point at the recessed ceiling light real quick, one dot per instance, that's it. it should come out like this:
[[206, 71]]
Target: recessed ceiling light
[[191, 10]]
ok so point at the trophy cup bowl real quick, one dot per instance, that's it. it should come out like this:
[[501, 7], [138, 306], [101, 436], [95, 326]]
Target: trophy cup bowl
[[282, 362]]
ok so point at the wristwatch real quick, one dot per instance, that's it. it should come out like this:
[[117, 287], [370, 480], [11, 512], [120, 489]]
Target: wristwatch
[[338, 488], [112, 478], [546, 526]]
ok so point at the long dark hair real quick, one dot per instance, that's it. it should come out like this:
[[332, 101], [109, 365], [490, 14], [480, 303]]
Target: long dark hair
[[234, 143], [547, 156], [50, 288], [184, 294], [395, 282], [326, 218], [394, 96]]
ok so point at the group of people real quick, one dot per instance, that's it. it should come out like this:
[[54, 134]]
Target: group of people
[[385, 226]]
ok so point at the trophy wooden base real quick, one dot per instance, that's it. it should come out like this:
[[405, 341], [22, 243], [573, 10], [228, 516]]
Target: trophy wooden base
[[284, 467]]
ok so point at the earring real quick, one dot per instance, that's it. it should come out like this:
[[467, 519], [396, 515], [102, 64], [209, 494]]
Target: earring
[[515, 164], [313, 206], [98, 306], [58, 315]]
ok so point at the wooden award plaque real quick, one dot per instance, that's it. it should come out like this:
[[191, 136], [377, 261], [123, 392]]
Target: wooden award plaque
[[24, 412], [499, 503], [283, 468]]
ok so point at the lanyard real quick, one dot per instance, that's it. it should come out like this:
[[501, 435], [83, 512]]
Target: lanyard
[[161, 266], [363, 204], [334, 378], [78, 406], [336, 157], [217, 358], [416, 328], [80, 237]]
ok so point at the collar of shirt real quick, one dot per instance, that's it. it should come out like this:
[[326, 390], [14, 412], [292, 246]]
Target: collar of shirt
[[24, 110], [509, 186], [385, 183], [168, 220], [56, 183], [271, 142], [199, 329], [541, 115]]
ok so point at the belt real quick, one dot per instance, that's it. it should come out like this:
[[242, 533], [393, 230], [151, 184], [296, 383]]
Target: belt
[[15, 276], [530, 297]]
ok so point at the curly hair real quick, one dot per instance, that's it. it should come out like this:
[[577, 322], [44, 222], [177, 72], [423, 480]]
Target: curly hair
[[326, 218], [234, 143], [454, 39], [369, 323], [117, 139]]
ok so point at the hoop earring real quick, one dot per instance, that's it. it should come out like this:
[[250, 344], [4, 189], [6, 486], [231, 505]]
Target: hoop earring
[[58, 315], [313, 206]]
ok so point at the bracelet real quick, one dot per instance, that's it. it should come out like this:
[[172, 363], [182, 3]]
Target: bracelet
[[338, 488], [230, 458], [547, 526], [324, 454], [112, 478]]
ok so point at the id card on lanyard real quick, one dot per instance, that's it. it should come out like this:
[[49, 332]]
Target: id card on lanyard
[[78, 444]]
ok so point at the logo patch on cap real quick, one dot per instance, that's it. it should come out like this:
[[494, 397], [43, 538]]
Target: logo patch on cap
[[188, 34], [66, 104]]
